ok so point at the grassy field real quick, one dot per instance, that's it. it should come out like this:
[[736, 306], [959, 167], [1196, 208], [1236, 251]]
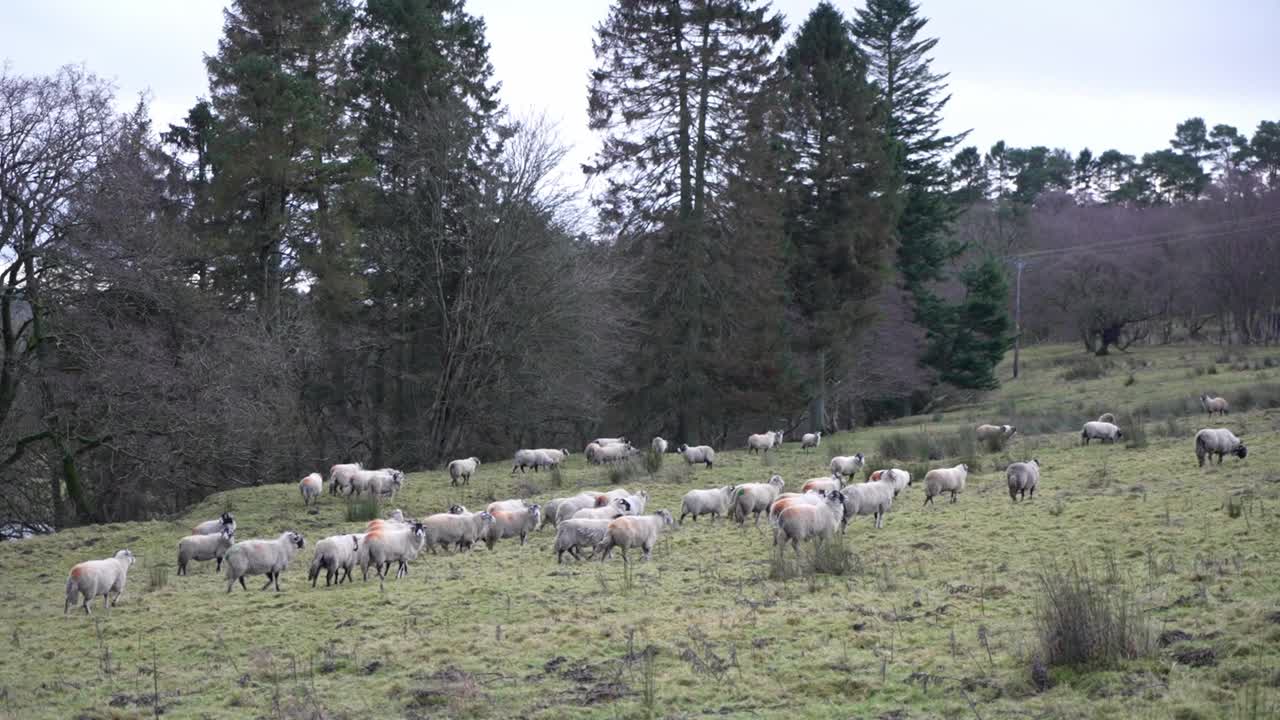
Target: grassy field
[[934, 616]]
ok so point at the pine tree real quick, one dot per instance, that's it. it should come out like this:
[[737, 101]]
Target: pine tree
[[975, 334]]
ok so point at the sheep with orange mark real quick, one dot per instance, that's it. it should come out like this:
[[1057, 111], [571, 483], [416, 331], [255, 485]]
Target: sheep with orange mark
[[513, 523], [714, 502], [899, 478], [755, 498], [817, 522], [214, 527], [98, 577], [515, 504], [633, 531], [311, 486], [339, 477], [336, 555], [459, 530], [392, 543], [204, 547], [826, 484], [262, 557], [567, 507], [575, 533], [615, 508]]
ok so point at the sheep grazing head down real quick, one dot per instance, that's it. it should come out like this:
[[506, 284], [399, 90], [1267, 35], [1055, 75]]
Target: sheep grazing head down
[[1240, 451]]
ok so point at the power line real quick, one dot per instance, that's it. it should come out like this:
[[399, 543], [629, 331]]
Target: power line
[[1263, 222]]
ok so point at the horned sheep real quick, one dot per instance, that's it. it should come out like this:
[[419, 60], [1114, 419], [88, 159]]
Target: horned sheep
[[262, 557], [98, 577]]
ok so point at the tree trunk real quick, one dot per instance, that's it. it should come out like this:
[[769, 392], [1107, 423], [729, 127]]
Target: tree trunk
[[818, 407]]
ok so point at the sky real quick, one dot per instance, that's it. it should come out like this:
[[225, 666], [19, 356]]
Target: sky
[[1087, 73]]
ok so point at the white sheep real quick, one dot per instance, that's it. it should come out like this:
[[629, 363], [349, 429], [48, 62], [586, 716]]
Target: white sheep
[[1214, 405], [617, 452], [398, 543], [610, 441], [846, 465], [633, 531], [1220, 442], [636, 501], [387, 483], [714, 502], [524, 458], [810, 440], [339, 477], [396, 515], [755, 498], [336, 555], [461, 530], [762, 442], [827, 484], [698, 454], [460, 471], [311, 486], [554, 456], [1094, 430], [98, 577], [897, 477], [513, 523], [561, 509], [1023, 478], [514, 504], [659, 445], [573, 534], [262, 557], [803, 522], [204, 547], [615, 508], [870, 498], [987, 433], [940, 480], [372, 482], [1107, 418], [213, 527], [786, 500]]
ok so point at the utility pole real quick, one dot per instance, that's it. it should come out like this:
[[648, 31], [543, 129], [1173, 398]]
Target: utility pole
[[1017, 315]]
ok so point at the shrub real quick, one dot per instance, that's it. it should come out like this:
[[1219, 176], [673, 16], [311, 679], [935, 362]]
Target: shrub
[[1081, 621], [653, 461], [1086, 369], [1135, 430], [620, 473], [555, 478], [1256, 397], [827, 558], [924, 445], [362, 509]]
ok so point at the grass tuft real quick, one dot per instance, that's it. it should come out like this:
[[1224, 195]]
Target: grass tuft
[[362, 509], [1082, 621]]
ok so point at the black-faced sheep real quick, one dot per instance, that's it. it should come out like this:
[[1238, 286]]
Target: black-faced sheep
[[1220, 442], [262, 557]]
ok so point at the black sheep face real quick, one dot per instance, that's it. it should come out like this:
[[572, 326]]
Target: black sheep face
[[1241, 451]]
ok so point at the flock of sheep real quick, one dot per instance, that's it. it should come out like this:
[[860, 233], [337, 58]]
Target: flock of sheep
[[596, 521]]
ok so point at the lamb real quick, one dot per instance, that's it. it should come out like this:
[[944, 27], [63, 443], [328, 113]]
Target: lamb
[[311, 486], [1023, 478], [755, 498], [461, 470], [803, 522], [764, 442], [900, 479], [698, 454], [561, 509], [576, 533], [461, 530], [940, 480], [1214, 405], [399, 543], [1107, 418], [659, 446], [214, 527], [204, 547], [987, 433], [829, 484], [98, 577], [513, 523], [1094, 430], [262, 557], [633, 531], [1220, 442], [336, 555], [846, 465], [810, 440], [339, 477], [615, 508], [714, 502], [870, 498], [497, 505]]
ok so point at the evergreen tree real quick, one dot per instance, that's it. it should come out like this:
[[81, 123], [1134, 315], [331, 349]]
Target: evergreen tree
[[1264, 148], [975, 333], [970, 179]]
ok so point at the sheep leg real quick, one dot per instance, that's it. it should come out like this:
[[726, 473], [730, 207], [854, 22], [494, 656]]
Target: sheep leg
[[264, 587], [87, 611], [118, 596], [928, 499], [218, 567], [953, 496]]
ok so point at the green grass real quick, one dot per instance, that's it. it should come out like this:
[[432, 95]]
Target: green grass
[[934, 616]]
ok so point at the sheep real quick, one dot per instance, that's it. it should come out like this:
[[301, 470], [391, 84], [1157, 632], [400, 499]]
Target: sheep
[[399, 543], [988, 433], [561, 509], [204, 547], [555, 456], [497, 505], [1219, 441], [755, 498], [1107, 418], [374, 482], [810, 440], [900, 479], [633, 531], [337, 555], [513, 523], [698, 454], [610, 441], [830, 484], [714, 502], [616, 452], [659, 445], [940, 480], [846, 465], [615, 508], [637, 502], [870, 498], [262, 557], [461, 530], [339, 477], [589, 452], [1023, 478], [786, 500], [98, 577], [575, 533], [763, 442], [1214, 405], [214, 527], [803, 522], [311, 486], [524, 458], [1094, 430], [396, 515], [461, 470]]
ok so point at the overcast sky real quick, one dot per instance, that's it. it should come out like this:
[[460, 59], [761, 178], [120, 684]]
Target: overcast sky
[[1096, 73]]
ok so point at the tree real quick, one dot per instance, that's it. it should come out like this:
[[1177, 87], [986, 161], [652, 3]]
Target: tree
[[1191, 139], [976, 335], [1085, 174], [1265, 150], [970, 178]]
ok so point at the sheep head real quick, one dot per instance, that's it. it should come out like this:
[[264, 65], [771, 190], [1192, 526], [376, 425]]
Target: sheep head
[[1240, 451]]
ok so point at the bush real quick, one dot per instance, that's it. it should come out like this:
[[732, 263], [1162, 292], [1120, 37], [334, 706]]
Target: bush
[[924, 445], [620, 473], [653, 461], [1081, 621], [1086, 369], [826, 558], [362, 509], [1135, 430], [1256, 397], [158, 577]]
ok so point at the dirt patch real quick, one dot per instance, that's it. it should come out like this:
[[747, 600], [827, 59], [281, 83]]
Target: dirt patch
[[1274, 617], [1169, 637], [372, 667], [605, 692], [1197, 657]]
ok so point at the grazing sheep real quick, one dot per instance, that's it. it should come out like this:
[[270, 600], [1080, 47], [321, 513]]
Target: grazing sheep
[[987, 433], [698, 454], [497, 505], [204, 547], [900, 479], [714, 502], [940, 480], [575, 533], [311, 486], [1214, 405], [869, 498], [755, 498], [1220, 442], [513, 523], [461, 470], [829, 484], [633, 531], [262, 557], [1107, 418], [1023, 478], [214, 527], [810, 440], [336, 555], [659, 445], [399, 543], [98, 577], [846, 465], [803, 522], [460, 530], [1103, 431], [339, 477], [615, 508], [524, 458]]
